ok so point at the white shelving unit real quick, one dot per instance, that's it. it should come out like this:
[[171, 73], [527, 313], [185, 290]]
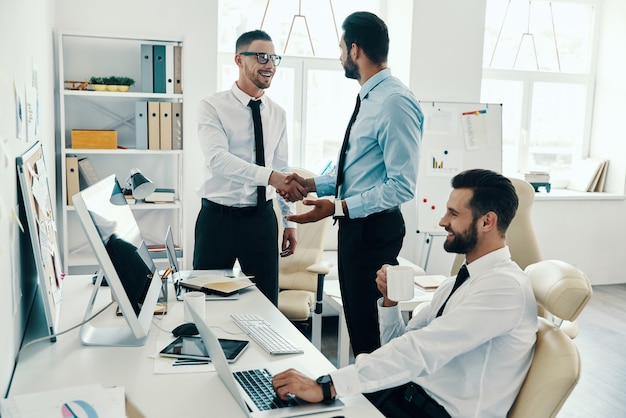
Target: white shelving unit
[[79, 57]]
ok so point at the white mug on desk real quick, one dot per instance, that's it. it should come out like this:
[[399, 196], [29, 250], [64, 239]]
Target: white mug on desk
[[400, 285]]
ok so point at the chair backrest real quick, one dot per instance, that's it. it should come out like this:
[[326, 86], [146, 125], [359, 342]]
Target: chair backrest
[[554, 372], [520, 236], [293, 272]]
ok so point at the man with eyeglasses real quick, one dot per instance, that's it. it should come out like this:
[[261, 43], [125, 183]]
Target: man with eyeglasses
[[243, 136], [375, 174]]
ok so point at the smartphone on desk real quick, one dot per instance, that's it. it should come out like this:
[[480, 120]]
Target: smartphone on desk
[[194, 348]]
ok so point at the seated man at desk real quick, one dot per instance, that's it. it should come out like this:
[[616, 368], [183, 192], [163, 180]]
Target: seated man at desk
[[465, 354]]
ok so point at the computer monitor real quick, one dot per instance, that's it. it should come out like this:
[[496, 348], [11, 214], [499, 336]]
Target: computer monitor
[[124, 260]]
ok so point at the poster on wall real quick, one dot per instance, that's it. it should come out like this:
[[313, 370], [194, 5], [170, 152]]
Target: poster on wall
[[42, 230]]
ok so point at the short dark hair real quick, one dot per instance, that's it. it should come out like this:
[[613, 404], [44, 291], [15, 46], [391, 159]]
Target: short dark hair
[[370, 33], [492, 193], [245, 39]]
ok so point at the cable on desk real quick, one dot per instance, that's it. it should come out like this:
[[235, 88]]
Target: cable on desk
[[62, 332]]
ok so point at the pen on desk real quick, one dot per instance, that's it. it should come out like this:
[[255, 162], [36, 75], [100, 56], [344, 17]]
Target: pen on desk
[[166, 273], [190, 362]]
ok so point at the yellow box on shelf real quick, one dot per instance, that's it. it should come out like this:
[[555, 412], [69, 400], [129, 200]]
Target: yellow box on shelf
[[94, 139]]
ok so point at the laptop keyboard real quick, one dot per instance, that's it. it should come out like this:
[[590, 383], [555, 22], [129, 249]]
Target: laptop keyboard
[[258, 385], [264, 334]]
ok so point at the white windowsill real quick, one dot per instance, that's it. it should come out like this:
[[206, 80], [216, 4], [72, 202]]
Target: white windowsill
[[565, 194]]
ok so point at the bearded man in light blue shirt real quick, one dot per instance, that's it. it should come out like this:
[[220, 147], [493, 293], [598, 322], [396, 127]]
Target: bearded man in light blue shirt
[[376, 173]]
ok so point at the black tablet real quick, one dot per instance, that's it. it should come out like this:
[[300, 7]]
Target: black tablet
[[193, 348]]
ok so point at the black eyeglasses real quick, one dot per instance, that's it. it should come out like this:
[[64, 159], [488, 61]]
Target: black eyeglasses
[[263, 57]]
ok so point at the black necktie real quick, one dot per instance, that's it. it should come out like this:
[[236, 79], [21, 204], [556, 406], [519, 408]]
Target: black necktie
[[344, 146], [255, 105], [461, 276]]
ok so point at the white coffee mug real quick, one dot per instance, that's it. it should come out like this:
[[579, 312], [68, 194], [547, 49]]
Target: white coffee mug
[[197, 302], [400, 285]]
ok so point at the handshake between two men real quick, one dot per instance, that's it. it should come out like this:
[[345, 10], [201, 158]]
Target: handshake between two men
[[293, 187]]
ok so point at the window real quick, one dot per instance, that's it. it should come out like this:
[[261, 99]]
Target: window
[[538, 64], [310, 87]]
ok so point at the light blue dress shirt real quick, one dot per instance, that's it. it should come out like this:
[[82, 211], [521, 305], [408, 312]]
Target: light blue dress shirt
[[382, 158]]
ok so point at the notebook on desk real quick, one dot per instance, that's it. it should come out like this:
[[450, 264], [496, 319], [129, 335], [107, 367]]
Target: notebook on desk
[[247, 385], [179, 276]]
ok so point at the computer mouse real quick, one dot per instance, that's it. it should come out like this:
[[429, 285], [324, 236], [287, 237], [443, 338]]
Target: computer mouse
[[187, 329]]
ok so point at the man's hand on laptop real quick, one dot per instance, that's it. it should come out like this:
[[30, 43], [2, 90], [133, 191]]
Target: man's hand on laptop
[[293, 383]]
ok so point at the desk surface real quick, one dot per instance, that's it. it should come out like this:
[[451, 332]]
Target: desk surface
[[67, 362]]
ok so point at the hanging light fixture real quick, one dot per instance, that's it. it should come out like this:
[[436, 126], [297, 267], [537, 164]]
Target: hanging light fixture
[[299, 15], [527, 35]]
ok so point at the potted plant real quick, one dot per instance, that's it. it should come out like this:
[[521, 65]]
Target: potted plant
[[97, 83], [111, 83], [124, 83]]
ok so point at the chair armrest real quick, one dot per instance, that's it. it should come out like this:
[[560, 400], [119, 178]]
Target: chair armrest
[[321, 269]]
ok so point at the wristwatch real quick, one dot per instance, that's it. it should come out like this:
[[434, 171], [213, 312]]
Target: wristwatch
[[325, 381], [339, 209]]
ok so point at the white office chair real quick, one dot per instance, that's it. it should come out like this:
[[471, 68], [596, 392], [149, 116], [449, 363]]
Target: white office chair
[[563, 291], [301, 275]]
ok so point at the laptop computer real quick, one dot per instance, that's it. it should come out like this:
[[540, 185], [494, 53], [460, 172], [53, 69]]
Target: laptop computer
[[179, 275], [244, 390]]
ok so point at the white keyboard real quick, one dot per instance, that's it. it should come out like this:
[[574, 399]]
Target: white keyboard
[[264, 334]]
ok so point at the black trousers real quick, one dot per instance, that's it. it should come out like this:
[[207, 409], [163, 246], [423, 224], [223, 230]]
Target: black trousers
[[364, 245], [406, 401], [224, 234]]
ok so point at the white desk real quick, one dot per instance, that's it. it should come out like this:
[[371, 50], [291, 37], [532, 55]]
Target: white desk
[[46, 366], [332, 296]]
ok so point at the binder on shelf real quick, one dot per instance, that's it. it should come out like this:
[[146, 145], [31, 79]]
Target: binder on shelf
[[158, 69], [87, 172], [177, 125], [141, 125], [178, 69], [169, 69], [165, 127], [146, 68], [71, 178], [154, 116]]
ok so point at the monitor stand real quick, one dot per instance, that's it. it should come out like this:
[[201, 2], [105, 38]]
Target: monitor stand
[[135, 331]]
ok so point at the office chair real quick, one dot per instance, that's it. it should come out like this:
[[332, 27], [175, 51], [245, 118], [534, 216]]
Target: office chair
[[562, 290], [522, 241], [301, 275]]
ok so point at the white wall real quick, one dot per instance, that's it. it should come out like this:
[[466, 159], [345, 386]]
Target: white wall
[[26, 33]]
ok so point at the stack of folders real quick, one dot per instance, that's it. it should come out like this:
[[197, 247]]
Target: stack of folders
[[161, 68], [159, 125], [80, 173]]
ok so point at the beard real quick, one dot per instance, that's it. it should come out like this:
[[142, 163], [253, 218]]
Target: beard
[[463, 243], [351, 69]]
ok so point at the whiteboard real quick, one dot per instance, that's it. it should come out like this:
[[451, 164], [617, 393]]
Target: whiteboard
[[456, 137]]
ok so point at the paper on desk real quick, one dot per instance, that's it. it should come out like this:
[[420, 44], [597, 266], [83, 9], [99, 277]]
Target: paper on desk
[[81, 401], [165, 365]]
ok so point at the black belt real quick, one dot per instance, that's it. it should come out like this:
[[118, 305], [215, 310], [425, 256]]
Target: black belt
[[233, 210], [395, 209], [415, 395]]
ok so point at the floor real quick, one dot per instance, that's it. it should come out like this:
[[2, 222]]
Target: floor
[[601, 391]]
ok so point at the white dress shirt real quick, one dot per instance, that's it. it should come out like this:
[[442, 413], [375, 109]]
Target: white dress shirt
[[226, 136], [473, 358]]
